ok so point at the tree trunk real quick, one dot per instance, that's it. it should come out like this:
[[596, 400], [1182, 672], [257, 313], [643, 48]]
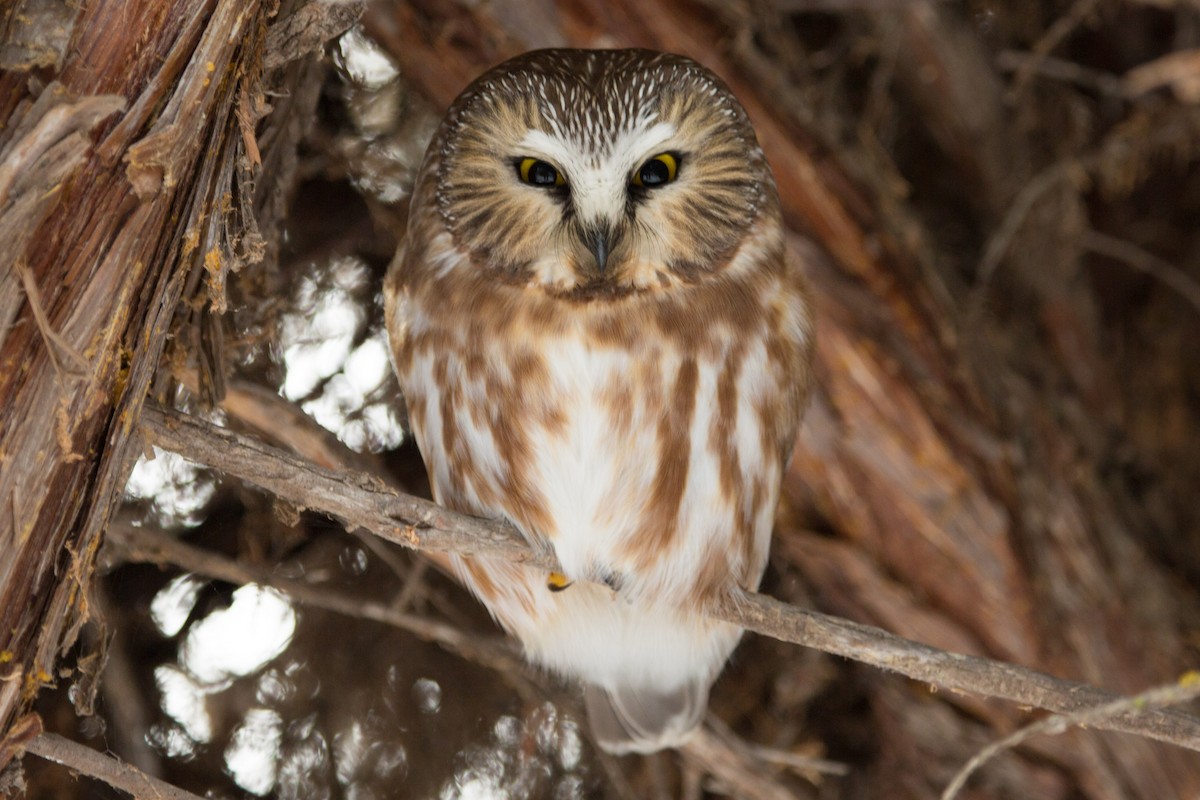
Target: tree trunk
[[128, 168]]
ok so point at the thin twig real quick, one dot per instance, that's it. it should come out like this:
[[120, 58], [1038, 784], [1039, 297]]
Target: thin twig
[[1187, 688], [1144, 261], [114, 772], [1000, 240], [147, 545], [736, 772], [1060, 69], [1052, 38], [808, 767], [364, 501], [1078, 172], [1002, 237], [414, 582]]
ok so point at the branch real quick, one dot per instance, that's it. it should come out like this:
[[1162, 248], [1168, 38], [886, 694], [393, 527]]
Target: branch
[[1160, 269], [954, 671], [364, 501], [145, 545], [357, 499], [94, 764], [1188, 688]]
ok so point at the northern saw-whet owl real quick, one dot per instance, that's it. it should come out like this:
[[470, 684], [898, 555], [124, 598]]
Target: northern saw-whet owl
[[601, 339]]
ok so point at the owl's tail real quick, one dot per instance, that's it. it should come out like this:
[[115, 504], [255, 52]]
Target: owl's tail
[[638, 720]]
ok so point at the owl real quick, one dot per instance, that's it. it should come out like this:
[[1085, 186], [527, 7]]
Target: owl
[[601, 339]]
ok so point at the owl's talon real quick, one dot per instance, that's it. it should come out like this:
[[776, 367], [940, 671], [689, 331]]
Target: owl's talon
[[556, 582]]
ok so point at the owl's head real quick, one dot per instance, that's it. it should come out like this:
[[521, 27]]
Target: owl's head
[[599, 170]]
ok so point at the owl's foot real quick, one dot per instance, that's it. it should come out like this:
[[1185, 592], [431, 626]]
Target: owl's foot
[[556, 582]]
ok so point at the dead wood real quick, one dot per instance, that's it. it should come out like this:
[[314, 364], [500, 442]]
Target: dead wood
[[127, 184]]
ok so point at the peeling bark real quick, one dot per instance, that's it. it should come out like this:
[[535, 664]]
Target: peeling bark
[[127, 185]]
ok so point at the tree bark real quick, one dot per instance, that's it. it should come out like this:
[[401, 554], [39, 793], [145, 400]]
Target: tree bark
[[131, 181]]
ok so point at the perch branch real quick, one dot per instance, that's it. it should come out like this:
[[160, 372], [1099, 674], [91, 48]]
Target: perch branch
[[364, 501], [357, 499]]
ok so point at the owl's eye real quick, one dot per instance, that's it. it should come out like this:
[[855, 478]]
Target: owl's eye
[[539, 173], [658, 171]]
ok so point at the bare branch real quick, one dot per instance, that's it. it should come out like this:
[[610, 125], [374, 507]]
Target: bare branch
[[149, 546], [114, 772], [1187, 688], [1060, 69], [1132, 255], [365, 501], [954, 671], [355, 498], [1054, 36]]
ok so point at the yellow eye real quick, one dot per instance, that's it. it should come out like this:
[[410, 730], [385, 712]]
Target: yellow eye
[[658, 171], [539, 173]]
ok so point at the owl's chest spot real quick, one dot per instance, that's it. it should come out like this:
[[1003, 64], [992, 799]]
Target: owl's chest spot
[[629, 455], [588, 428]]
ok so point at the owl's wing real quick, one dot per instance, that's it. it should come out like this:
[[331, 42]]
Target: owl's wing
[[638, 720]]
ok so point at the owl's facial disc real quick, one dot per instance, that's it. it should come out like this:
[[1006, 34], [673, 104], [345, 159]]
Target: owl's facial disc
[[602, 190], [599, 170]]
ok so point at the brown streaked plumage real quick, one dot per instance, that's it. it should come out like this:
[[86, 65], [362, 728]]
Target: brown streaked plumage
[[601, 339]]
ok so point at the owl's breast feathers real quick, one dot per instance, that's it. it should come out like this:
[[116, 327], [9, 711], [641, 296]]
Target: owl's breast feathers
[[644, 435]]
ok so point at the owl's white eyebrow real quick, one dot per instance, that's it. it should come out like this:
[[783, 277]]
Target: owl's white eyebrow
[[631, 147], [547, 146]]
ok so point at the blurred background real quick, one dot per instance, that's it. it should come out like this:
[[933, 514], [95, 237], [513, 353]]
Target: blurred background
[[997, 205]]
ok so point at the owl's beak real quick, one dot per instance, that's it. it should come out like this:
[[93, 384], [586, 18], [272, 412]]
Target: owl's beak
[[599, 241]]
